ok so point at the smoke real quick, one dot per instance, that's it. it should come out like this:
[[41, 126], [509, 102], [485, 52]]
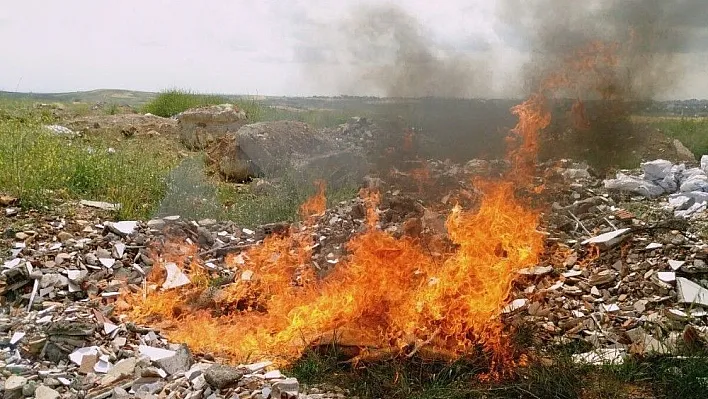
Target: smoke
[[649, 36], [384, 50]]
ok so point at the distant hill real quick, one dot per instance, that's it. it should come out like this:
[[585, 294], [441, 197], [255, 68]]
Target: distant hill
[[127, 97]]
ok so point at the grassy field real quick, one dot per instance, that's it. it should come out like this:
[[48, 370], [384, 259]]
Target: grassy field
[[148, 176]]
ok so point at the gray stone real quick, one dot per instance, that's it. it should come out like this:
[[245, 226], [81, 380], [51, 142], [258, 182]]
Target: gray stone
[[179, 363], [279, 148], [123, 369], [13, 386], [287, 388], [44, 392], [221, 376], [29, 389]]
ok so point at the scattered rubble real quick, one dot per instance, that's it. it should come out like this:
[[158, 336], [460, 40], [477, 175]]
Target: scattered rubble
[[624, 276]]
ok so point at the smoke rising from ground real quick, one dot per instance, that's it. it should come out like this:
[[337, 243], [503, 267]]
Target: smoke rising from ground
[[385, 50], [649, 34]]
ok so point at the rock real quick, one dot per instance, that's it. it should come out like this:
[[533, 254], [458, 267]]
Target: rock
[[124, 228], [634, 185], [690, 292], [123, 369], [179, 363], [199, 127], [175, 277], [29, 389], [13, 386], [106, 206], [607, 240], [279, 148], [44, 392], [61, 130], [288, 388], [220, 376], [53, 280], [683, 153]]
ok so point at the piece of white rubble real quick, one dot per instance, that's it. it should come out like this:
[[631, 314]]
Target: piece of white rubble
[[155, 353], [690, 292], [175, 277], [607, 239], [676, 264], [106, 206], [516, 304]]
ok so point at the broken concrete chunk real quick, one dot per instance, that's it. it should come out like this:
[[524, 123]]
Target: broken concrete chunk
[[44, 392], [175, 277], [155, 353], [106, 206], [690, 292], [124, 228], [607, 240], [516, 304], [180, 362], [602, 356], [536, 270]]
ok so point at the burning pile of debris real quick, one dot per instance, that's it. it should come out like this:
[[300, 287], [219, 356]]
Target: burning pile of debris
[[619, 273]]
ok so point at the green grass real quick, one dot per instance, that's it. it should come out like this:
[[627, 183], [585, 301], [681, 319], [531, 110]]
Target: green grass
[[172, 102], [692, 132], [42, 168], [558, 377]]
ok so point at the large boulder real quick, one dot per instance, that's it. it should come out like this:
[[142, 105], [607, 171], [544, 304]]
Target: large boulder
[[277, 148], [200, 127]]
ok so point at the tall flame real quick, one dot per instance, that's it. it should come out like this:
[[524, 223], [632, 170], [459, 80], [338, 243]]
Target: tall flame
[[390, 293]]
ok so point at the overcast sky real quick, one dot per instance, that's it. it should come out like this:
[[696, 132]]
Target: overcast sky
[[266, 47]]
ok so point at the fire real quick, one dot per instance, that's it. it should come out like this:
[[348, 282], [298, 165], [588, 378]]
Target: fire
[[389, 294], [316, 204]]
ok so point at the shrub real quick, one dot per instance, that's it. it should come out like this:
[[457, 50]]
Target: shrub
[[172, 102]]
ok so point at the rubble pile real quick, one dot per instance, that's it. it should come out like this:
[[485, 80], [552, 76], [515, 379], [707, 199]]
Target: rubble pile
[[688, 186], [624, 276], [60, 336]]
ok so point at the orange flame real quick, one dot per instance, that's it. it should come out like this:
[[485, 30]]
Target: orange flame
[[317, 204], [389, 293]]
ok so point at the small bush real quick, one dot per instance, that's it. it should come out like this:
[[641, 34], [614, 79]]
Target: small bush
[[172, 102]]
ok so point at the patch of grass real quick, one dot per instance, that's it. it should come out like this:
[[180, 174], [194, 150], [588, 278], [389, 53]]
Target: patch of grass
[[556, 377], [112, 109], [692, 132], [172, 102], [41, 167]]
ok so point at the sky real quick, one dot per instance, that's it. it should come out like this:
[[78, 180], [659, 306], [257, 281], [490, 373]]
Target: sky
[[257, 47]]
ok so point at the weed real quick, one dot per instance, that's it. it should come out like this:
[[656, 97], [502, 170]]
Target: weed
[[172, 102], [112, 109], [39, 166]]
